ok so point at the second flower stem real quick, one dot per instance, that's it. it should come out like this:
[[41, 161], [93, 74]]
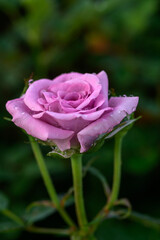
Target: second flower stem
[[48, 182], [117, 171], [76, 162]]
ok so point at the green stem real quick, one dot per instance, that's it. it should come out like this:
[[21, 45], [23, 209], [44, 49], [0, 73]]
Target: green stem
[[61, 232], [117, 171], [48, 182], [76, 162], [12, 216]]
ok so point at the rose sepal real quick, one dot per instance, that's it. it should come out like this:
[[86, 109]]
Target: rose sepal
[[56, 152]]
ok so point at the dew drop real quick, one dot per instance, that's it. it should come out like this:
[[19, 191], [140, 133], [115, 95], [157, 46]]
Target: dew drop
[[15, 107], [133, 109], [30, 81], [23, 113]]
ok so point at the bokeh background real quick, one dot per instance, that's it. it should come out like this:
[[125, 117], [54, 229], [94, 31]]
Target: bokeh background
[[45, 38]]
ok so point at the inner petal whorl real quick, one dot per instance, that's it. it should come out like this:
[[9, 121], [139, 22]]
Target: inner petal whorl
[[72, 96]]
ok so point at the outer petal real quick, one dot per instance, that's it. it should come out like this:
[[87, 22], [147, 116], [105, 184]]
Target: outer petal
[[121, 107], [66, 76], [95, 115], [73, 124], [89, 116], [32, 94], [103, 78], [35, 127]]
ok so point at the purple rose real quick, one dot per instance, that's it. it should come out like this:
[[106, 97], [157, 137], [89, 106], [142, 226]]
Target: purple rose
[[71, 110]]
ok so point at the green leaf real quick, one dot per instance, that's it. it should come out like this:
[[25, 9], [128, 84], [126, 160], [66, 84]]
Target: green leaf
[[9, 226], [3, 201], [122, 128], [145, 220], [113, 229], [7, 119], [40, 210], [37, 211]]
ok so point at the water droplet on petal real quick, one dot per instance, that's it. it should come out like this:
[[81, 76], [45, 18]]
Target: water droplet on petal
[[133, 109], [30, 81], [23, 113], [15, 107]]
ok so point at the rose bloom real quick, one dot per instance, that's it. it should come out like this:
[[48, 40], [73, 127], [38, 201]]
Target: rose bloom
[[71, 110]]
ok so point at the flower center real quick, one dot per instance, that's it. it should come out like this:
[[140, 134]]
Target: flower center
[[72, 96]]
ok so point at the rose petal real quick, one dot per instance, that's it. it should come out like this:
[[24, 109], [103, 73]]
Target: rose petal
[[35, 127], [95, 115], [49, 96], [96, 86], [97, 105], [74, 85], [66, 76], [104, 82], [92, 79], [66, 107], [75, 124], [33, 93], [61, 116], [121, 107]]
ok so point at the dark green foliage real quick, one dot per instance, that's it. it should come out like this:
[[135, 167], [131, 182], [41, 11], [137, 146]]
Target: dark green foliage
[[3, 201]]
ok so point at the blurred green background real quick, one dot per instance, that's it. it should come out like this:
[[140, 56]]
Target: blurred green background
[[48, 37]]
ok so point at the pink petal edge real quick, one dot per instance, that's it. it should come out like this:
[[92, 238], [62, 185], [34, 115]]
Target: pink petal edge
[[103, 78], [121, 107], [32, 94], [37, 128]]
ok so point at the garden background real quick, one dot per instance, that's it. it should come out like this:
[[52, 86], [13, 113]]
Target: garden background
[[44, 38]]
